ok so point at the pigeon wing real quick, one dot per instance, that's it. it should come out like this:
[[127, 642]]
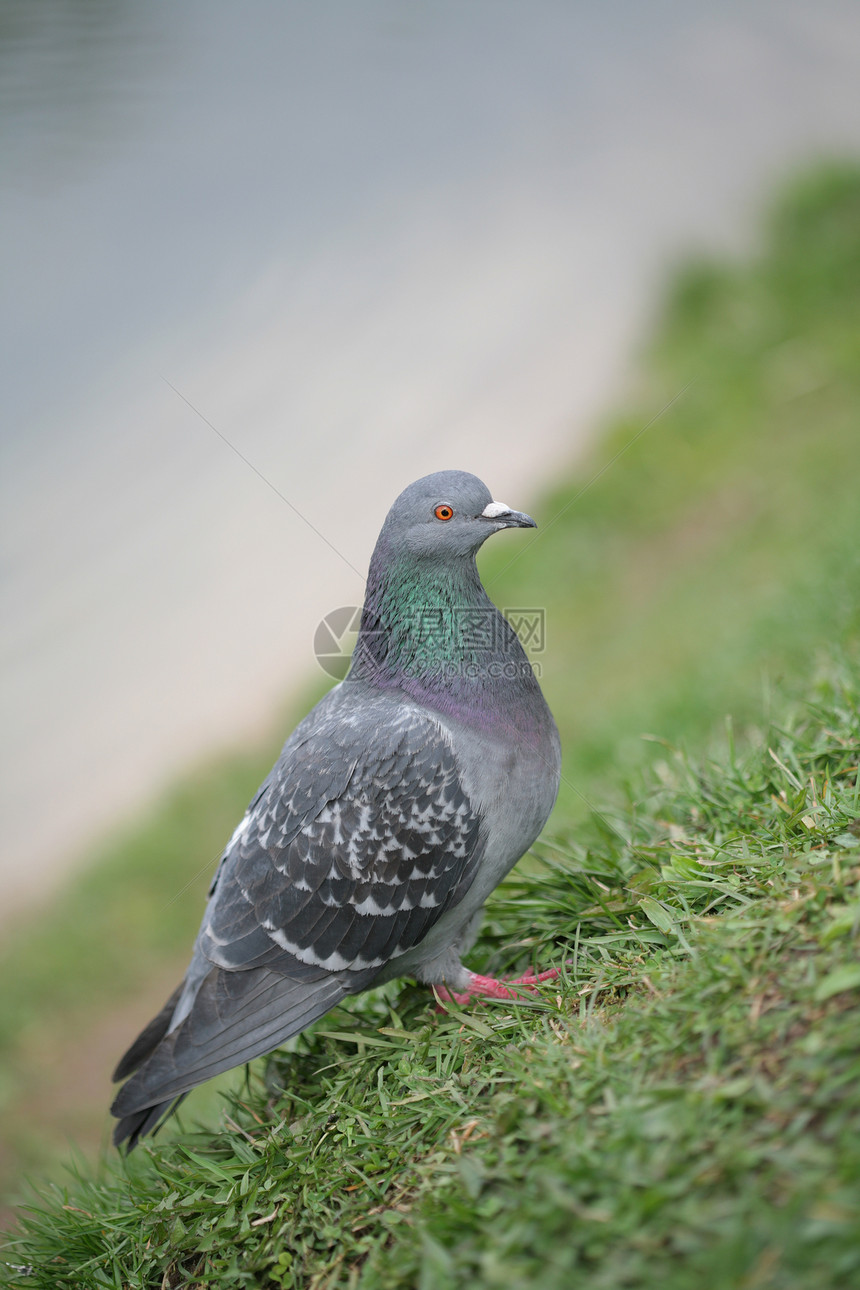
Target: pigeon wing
[[360, 839], [362, 874]]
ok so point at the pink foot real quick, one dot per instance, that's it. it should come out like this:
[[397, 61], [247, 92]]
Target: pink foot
[[487, 987]]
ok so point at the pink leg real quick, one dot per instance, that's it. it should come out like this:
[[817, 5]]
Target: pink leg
[[487, 987]]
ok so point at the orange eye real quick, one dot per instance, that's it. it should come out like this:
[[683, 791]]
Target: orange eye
[[443, 512]]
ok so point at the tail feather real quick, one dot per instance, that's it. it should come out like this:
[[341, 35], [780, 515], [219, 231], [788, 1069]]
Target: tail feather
[[133, 1127], [148, 1039], [236, 1016]]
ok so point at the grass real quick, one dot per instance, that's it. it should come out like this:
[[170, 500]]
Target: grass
[[682, 1109]]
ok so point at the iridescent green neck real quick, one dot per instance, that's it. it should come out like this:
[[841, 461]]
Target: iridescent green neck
[[431, 630], [428, 620]]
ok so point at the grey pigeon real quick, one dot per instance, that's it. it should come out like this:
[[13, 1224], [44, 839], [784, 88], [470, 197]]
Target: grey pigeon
[[394, 809]]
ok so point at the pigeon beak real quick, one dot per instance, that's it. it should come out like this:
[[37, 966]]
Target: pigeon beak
[[507, 518]]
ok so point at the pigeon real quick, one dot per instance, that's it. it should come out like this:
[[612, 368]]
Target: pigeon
[[395, 808]]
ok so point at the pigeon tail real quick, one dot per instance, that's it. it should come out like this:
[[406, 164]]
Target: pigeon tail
[[131, 1128], [236, 1017], [148, 1039]]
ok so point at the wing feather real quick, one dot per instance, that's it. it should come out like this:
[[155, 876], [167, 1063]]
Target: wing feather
[[367, 870], [360, 839]]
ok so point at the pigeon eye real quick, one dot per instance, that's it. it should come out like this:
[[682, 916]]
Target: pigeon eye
[[443, 512]]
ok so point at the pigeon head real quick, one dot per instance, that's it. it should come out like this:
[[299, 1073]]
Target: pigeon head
[[448, 514], [427, 618]]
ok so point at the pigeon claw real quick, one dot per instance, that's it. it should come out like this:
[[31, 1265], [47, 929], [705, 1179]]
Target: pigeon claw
[[489, 987]]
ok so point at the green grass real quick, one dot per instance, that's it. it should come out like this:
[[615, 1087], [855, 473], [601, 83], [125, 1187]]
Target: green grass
[[682, 1109]]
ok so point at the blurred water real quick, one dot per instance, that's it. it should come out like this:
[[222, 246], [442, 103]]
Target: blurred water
[[365, 242]]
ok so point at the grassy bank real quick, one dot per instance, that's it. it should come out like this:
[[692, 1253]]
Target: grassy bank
[[684, 1103], [683, 1109]]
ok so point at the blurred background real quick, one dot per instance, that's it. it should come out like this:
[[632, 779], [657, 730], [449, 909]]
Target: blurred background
[[265, 265], [364, 242]]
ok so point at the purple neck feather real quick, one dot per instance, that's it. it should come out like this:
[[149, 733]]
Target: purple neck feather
[[429, 629]]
